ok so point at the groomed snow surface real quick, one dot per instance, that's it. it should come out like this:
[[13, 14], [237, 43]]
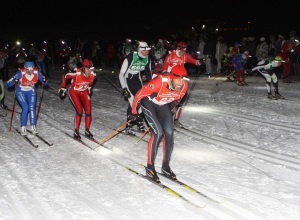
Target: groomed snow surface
[[241, 151]]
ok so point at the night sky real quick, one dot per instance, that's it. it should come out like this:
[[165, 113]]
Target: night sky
[[143, 19]]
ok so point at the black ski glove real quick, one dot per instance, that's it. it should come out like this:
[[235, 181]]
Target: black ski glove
[[62, 93], [126, 94], [133, 117]]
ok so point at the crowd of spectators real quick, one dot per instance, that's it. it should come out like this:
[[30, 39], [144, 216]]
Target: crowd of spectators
[[207, 46]]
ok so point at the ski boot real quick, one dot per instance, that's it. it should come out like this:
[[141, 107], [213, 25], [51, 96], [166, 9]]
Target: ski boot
[[76, 134]]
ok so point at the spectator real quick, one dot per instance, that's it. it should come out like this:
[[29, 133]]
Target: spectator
[[239, 61], [208, 51], [262, 49], [221, 48]]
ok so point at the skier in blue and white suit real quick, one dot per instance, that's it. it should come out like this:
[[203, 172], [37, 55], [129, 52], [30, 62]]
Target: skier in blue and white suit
[[25, 81]]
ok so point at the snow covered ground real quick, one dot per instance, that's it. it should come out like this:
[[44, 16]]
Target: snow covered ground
[[243, 154]]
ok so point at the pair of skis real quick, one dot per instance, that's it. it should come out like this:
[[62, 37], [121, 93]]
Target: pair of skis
[[31, 142], [166, 188], [83, 142], [161, 185]]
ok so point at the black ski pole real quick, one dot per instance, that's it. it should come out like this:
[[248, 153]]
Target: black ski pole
[[13, 108], [112, 84], [192, 88]]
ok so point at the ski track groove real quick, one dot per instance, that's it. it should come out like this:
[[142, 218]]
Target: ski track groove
[[227, 213], [33, 209], [232, 145], [245, 148]]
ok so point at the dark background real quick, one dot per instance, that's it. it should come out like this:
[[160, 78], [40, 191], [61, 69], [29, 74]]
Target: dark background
[[35, 20]]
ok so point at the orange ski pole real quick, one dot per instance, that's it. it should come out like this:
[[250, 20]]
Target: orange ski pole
[[114, 132], [143, 135]]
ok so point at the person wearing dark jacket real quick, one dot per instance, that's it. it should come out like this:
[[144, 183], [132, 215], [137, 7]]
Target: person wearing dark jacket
[[209, 51], [134, 65]]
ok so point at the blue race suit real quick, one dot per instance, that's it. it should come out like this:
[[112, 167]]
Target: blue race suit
[[26, 93]]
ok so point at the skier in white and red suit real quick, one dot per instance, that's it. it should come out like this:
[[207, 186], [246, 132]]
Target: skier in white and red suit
[[80, 94], [178, 57]]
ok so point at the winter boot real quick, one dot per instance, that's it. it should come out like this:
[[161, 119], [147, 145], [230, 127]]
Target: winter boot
[[33, 129], [128, 130], [239, 83], [279, 96], [167, 171], [140, 126], [151, 174], [244, 83], [286, 80], [88, 133], [76, 134], [4, 106], [23, 130], [270, 96], [178, 124]]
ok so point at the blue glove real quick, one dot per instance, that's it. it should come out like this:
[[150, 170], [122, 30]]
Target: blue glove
[[11, 84]]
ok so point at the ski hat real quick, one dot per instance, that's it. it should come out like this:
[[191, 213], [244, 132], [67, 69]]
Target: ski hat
[[143, 46], [178, 71], [251, 38], [29, 65], [181, 45], [87, 64], [278, 58], [245, 54], [236, 43]]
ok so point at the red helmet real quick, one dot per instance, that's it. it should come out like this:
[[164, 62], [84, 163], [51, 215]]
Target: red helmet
[[178, 71], [181, 45], [87, 64]]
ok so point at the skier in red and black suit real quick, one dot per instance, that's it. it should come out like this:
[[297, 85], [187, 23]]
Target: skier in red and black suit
[[178, 57], [157, 99], [80, 94]]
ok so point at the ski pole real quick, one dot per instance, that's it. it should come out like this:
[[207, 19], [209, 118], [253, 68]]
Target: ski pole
[[2, 89], [112, 77], [114, 132], [143, 135], [52, 92], [116, 87], [192, 88], [40, 103], [13, 108]]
